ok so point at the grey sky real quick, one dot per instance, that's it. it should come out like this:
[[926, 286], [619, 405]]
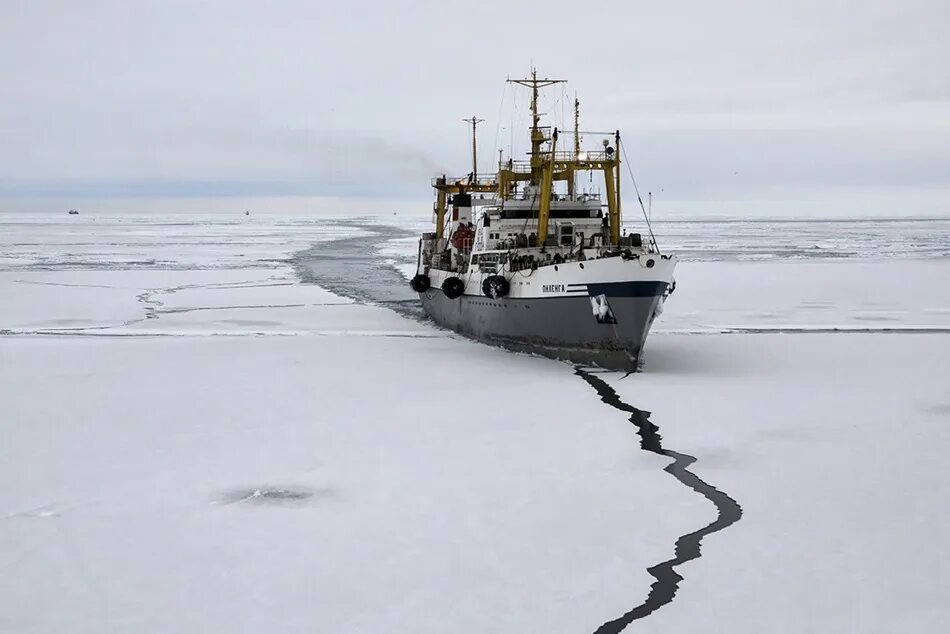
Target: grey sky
[[727, 106]]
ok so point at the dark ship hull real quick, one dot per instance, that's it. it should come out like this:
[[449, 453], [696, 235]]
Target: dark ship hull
[[558, 327]]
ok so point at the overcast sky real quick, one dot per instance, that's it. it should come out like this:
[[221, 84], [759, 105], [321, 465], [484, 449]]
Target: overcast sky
[[746, 107]]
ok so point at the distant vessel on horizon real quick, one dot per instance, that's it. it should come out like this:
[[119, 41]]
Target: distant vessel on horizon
[[73, 212], [534, 264]]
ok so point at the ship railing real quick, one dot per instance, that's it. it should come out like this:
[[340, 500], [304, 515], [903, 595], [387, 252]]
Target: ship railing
[[465, 181], [517, 167], [584, 156], [565, 156]]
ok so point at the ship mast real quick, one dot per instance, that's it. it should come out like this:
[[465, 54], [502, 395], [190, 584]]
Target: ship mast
[[572, 180], [537, 134], [474, 121], [543, 170], [577, 126]]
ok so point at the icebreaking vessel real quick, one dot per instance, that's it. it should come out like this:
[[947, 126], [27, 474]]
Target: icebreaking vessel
[[526, 260]]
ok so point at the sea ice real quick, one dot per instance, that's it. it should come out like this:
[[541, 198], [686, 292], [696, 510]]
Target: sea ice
[[217, 447]]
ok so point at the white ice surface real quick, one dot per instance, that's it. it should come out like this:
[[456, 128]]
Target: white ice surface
[[809, 294], [452, 486], [801, 238], [836, 447], [138, 241], [123, 458], [116, 302]]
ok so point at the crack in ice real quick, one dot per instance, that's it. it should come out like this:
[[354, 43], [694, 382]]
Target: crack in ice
[[686, 547]]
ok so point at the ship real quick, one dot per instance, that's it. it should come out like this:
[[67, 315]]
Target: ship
[[528, 260]]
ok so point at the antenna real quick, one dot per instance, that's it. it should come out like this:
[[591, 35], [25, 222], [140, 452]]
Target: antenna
[[474, 121], [537, 137], [577, 126], [577, 141]]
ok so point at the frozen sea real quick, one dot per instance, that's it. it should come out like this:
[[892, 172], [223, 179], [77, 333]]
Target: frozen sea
[[244, 424]]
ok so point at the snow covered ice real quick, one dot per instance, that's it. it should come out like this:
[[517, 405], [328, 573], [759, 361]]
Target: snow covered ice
[[194, 440]]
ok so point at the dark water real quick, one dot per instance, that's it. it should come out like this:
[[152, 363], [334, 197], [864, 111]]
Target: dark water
[[272, 495], [687, 547], [354, 268]]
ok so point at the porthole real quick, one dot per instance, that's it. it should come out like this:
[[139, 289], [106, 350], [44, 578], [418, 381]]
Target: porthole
[[650, 263]]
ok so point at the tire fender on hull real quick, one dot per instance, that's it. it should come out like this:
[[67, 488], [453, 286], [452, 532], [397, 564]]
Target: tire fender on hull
[[453, 287], [495, 286], [420, 283]]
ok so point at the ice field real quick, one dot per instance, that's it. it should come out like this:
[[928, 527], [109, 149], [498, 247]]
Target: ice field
[[241, 424]]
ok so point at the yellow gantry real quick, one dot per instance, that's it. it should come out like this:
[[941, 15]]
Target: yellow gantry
[[547, 182], [444, 187], [544, 169]]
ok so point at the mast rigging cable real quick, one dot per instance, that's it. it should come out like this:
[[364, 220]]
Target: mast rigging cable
[[623, 148]]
